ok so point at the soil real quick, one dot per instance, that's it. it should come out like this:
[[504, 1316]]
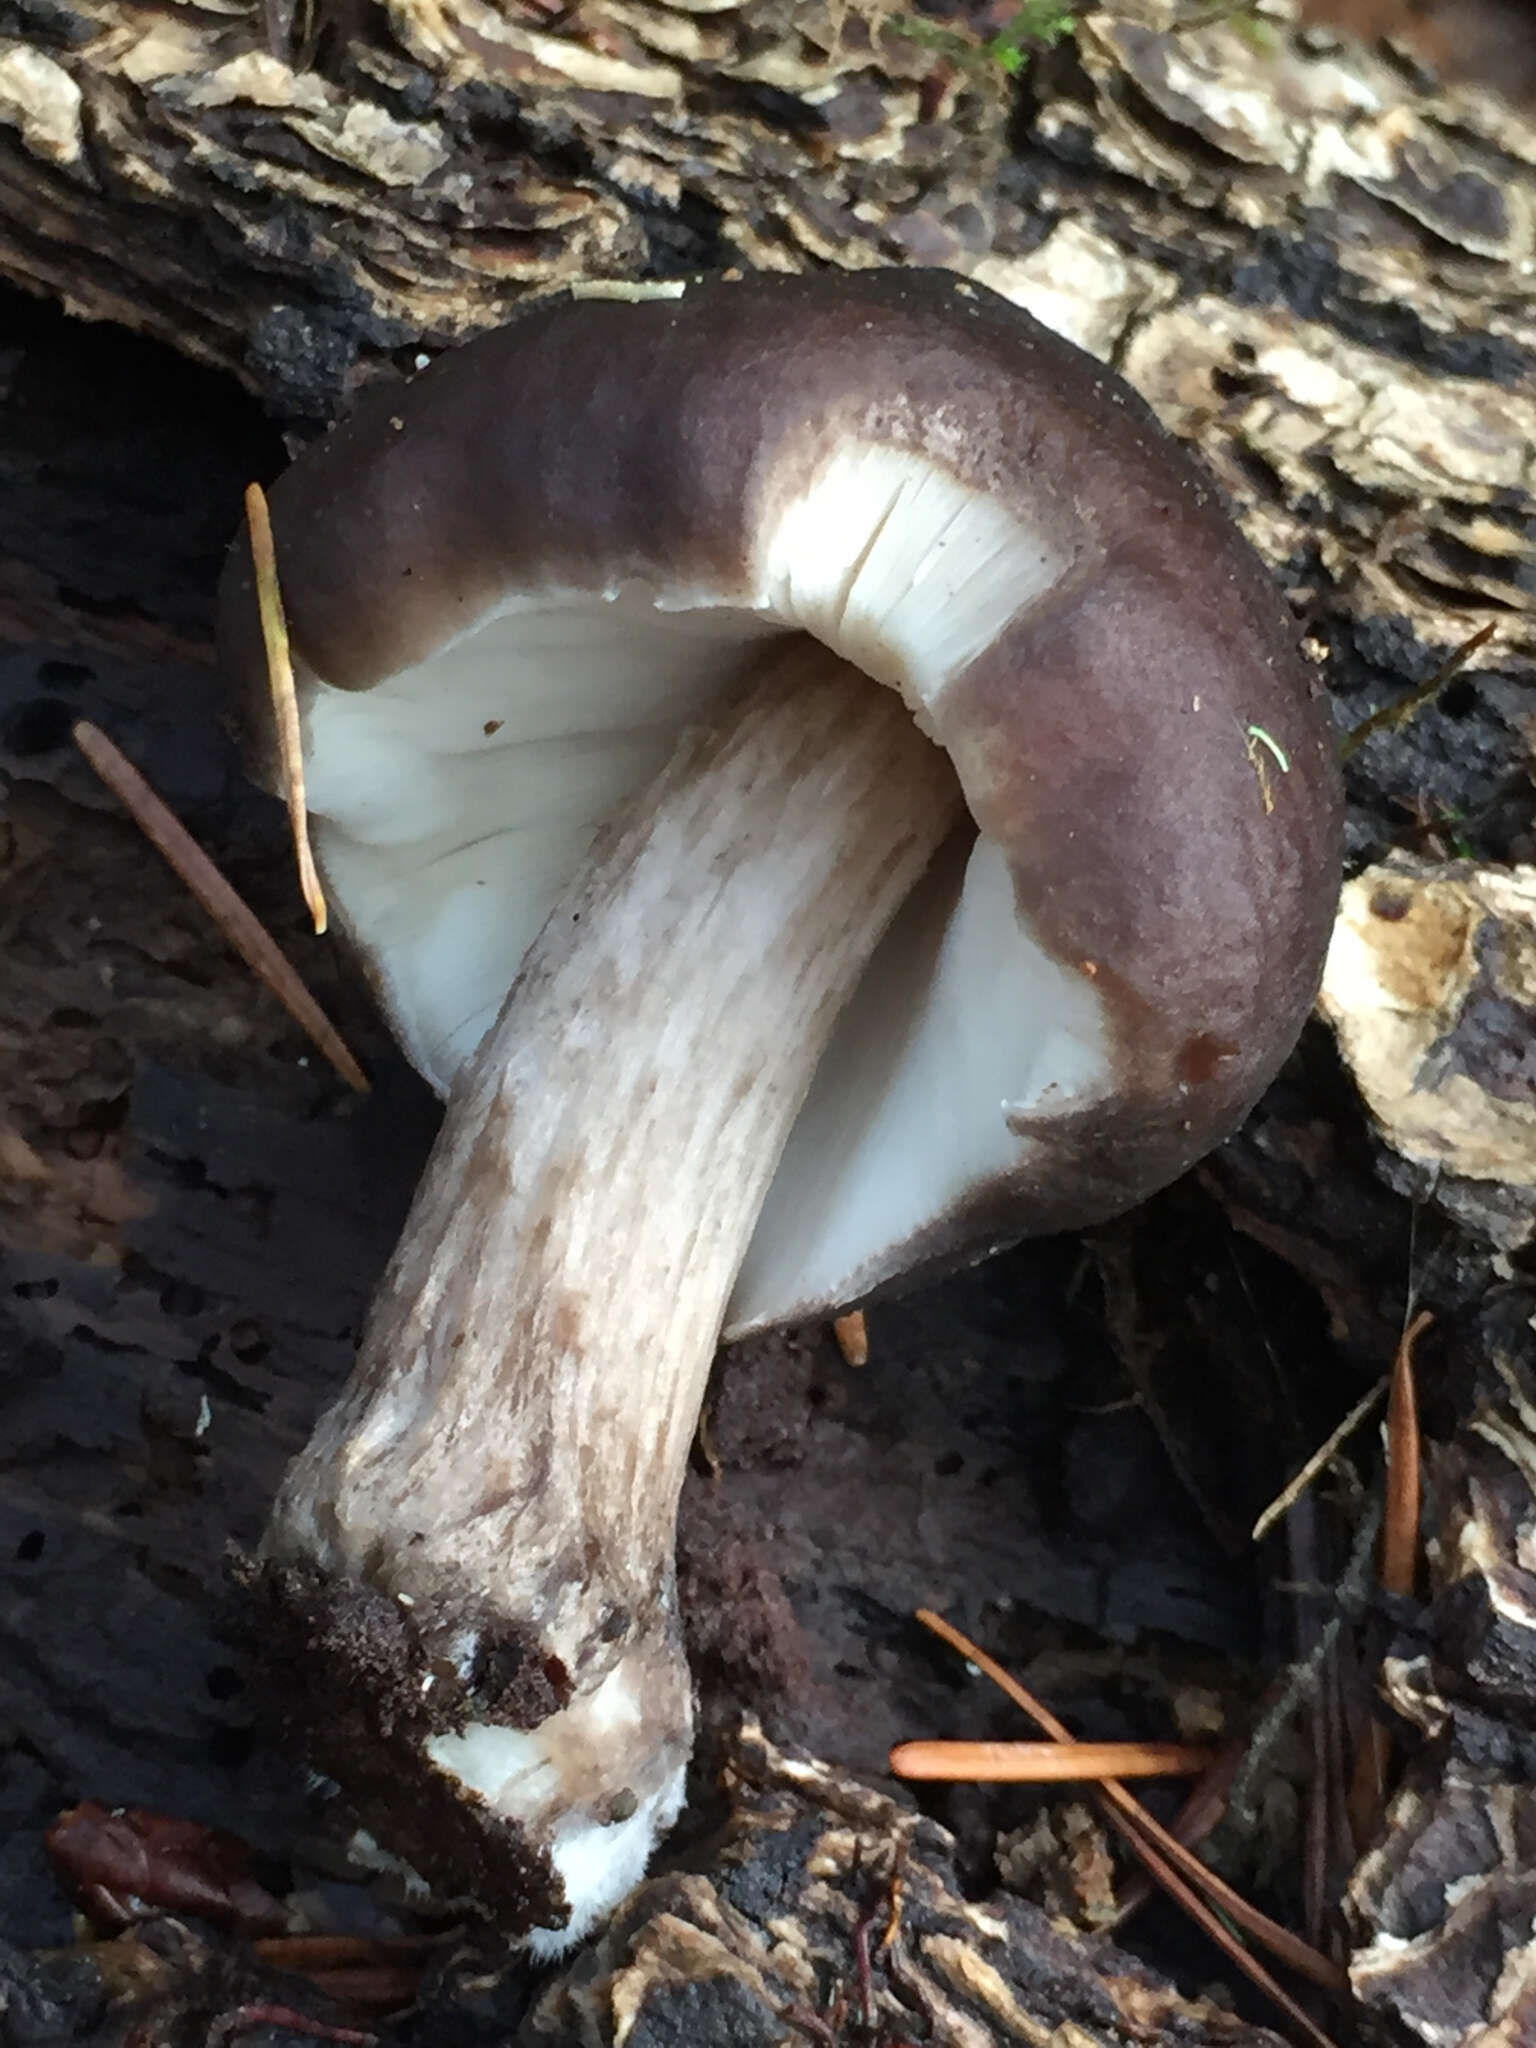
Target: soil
[[1063, 1450]]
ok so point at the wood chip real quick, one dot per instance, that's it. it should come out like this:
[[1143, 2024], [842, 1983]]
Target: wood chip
[[852, 1336]]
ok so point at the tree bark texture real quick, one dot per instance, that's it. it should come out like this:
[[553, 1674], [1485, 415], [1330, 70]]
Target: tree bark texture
[[307, 198], [1314, 261], [831, 1914]]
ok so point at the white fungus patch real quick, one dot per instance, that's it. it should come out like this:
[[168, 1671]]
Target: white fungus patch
[[539, 1779]]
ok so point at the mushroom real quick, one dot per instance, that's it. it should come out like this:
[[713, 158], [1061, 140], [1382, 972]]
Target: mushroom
[[821, 785]]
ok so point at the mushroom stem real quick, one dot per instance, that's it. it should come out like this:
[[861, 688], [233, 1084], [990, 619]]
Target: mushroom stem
[[478, 1540]]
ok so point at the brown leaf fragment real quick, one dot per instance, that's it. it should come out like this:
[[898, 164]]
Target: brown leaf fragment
[[124, 1864]]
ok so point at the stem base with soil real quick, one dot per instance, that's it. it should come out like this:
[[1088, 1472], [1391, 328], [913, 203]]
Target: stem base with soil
[[471, 1564]]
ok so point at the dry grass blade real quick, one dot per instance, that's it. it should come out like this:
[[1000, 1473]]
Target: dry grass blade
[[285, 705], [1046, 1763], [229, 911], [1174, 1867]]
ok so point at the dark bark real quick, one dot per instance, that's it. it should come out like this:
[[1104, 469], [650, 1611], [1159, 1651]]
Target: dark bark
[[394, 184]]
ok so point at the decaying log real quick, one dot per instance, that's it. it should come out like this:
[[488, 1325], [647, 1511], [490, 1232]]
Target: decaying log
[[825, 1914], [831, 1913], [1431, 986], [303, 203], [1314, 261]]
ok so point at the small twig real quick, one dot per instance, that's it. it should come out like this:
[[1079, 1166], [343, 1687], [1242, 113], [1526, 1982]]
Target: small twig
[[1174, 1867], [285, 704], [1328, 1844], [1046, 1763], [852, 1336], [1401, 709], [1201, 1811], [1322, 1457], [229, 910]]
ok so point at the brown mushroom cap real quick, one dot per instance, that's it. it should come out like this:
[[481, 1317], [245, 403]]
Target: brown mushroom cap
[[511, 582]]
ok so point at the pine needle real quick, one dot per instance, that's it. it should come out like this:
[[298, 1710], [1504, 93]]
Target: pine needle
[[1400, 1529], [228, 909], [1322, 1457], [1174, 1867], [1046, 1763], [285, 704], [1398, 1568]]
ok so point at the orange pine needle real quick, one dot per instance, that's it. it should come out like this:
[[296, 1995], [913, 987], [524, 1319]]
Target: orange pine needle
[[285, 704], [1174, 1867], [1046, 1763], [1201, 1812], [1399, 1564], [229, 910], [1400, 1525]]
